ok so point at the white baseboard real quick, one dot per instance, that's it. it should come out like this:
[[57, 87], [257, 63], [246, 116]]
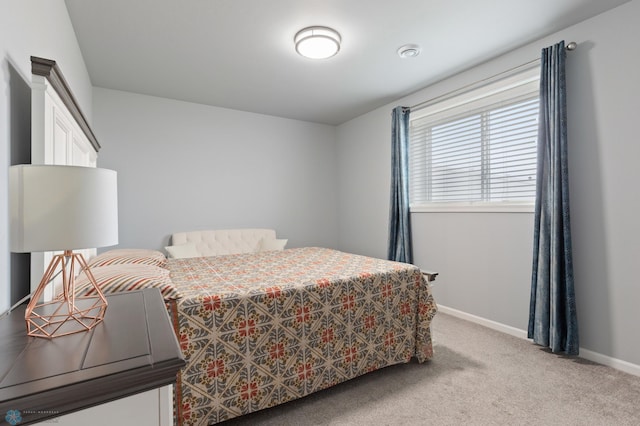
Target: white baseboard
[[483, 321], [618, 364]]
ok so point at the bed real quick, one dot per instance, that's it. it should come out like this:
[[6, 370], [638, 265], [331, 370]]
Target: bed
[[265, 325]]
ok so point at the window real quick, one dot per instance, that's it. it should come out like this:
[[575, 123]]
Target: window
[[477, 150]]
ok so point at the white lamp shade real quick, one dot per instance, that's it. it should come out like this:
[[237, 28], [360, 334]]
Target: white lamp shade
[[317, 42], [62, 208]]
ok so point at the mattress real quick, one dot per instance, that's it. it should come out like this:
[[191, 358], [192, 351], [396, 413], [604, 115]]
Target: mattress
[[261, 329]]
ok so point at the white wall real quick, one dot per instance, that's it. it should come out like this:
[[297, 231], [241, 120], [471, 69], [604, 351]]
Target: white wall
[[364, 170], [184, 166], [29, 28], [485, 259]]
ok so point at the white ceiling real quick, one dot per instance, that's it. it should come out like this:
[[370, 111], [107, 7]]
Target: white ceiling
[[239, 53]]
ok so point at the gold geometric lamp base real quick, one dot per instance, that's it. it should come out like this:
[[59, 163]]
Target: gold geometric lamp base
[[66, 313]]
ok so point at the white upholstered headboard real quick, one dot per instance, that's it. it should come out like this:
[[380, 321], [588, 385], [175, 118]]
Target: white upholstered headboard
[[224, 241]]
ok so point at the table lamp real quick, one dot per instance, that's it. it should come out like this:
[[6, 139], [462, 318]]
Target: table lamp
[[63, 208]]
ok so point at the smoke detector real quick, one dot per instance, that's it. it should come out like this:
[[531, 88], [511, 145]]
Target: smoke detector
[[409, 51]]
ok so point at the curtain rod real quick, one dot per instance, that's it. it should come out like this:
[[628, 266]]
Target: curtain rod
[[570, 46]]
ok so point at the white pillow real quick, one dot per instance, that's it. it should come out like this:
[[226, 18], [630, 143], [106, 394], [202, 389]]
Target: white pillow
[[272, 244], [182, 251]]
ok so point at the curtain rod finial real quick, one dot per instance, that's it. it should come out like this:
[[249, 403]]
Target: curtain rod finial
[[572, 45]]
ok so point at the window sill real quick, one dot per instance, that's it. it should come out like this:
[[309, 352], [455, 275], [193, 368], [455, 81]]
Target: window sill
[[473, 208]]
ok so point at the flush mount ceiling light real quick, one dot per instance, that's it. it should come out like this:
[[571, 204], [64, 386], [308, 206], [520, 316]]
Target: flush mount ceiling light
[[317, 42], [409, 51]]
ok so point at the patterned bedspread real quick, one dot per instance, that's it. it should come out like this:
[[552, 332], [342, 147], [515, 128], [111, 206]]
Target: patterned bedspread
[[264, 328]]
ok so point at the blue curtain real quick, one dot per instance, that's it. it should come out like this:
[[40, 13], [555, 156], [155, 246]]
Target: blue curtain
[[552, 312], [399, 247]]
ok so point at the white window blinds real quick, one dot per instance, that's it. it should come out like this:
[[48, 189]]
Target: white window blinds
[[478, 147]]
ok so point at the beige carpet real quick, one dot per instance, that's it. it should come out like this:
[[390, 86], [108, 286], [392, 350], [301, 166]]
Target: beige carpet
[[477, 377]]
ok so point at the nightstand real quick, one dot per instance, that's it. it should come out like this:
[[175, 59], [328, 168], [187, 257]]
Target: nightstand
[[133, 350]]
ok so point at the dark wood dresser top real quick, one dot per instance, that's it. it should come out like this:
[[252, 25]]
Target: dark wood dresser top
[[133, 350]]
